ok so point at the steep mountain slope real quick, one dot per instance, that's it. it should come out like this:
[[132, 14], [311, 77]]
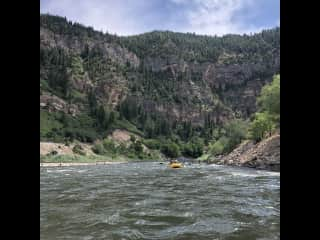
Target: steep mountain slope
[[159, 82]]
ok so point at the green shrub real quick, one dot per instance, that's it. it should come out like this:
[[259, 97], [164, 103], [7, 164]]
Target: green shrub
[[52, 153], [133, 138], [83, 135], [137, 146], [98, 149], [194, 148], [122, 149], [131, 155], [109, 146], [78, 149], [269, 99], [261, 125], [219, 147], [268, 117], [48, 122], [171, 150], [235, 130]]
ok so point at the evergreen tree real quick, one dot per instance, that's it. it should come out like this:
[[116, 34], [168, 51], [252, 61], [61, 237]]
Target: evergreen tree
[[93, 104], [101, 116]]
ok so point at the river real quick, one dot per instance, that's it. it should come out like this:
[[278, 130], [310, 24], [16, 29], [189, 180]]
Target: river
[[152, 201]]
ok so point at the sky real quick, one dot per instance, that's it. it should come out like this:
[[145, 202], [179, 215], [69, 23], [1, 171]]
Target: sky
[[207, 17]]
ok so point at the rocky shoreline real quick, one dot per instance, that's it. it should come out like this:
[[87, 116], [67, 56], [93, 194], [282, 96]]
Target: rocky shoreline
[[264, 155]]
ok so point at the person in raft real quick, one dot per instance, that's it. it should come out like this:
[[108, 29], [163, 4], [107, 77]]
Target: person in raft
[[173, 161]]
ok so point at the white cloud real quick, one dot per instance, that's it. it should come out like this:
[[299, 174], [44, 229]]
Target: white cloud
[[107, 15], [216, 17], [127, 17]]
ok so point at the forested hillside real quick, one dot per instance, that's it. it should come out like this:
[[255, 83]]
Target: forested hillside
[[175, 88]]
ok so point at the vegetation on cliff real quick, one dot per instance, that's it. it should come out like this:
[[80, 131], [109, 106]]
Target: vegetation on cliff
[[183, 94], [264, 123], [267, 119]]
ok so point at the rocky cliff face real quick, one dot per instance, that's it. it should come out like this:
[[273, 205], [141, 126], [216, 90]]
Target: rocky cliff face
[[264, 155], [228, 71], [237, 85], [54, 104]]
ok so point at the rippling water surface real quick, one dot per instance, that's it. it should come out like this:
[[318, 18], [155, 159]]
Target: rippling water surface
[[152, 201]]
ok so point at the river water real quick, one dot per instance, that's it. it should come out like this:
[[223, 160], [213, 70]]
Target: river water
[[152, 201]]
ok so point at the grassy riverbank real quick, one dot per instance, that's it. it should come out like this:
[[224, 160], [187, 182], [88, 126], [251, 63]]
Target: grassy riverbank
[[76, 164], [78, 158], [87, 159]]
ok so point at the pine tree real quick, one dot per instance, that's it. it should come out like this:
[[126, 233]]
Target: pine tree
[[92, 102], [101, 116]]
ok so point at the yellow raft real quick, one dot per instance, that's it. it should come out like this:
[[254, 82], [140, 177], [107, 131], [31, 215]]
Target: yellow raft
[[175, 165]]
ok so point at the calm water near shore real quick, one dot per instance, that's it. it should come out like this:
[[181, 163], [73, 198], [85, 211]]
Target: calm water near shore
[[152, 201]]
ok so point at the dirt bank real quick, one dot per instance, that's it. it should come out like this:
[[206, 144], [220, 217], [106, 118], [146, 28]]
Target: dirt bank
[[62, 149]]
